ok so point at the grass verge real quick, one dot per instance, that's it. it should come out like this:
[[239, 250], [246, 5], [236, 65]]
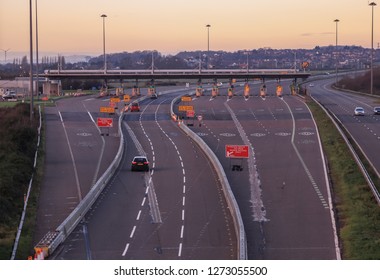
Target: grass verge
[[8, 230], [357, 213], [26, 245]]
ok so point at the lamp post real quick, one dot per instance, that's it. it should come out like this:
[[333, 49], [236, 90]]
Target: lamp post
[[372, 4], [37, 81], [104, 42], [31, 59], [336, 51], [208, 44], [247, 52]]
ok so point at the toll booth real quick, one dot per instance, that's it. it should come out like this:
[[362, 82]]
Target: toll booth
[[263, 91], [279, 90], [151, 90], [199, 91], [135, 91], [119, 91], [214, 91], [230, 92], [246, 90], [293, 90]]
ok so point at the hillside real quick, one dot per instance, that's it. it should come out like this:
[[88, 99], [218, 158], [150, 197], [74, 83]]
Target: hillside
[[362, 82]]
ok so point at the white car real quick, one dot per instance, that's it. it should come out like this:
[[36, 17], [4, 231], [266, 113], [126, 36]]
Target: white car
[[376, 110], [359, 111]]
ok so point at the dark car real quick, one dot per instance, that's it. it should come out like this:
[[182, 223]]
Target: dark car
[[140, 163], [135, 107], [376, 110], [154, 96]]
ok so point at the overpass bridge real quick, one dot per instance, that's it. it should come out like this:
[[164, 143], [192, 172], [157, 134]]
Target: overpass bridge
[[154, 74]]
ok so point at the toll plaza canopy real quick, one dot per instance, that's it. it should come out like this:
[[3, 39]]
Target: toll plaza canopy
[[177, 74]]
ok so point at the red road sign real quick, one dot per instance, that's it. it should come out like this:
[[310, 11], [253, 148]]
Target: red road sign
[[105, 122], [190, 114], [237, 151]]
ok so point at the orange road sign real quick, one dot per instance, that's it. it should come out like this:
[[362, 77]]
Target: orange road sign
[[186, 98], [186, 108], [107, 110], [115, 100], [127, 98]]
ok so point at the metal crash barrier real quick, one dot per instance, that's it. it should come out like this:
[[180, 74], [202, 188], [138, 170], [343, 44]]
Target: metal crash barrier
[[52, 240]]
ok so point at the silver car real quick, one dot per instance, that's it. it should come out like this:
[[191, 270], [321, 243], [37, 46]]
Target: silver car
[[359, 111]]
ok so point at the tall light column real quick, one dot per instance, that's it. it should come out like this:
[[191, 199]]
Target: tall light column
[[104, 42], [37, 77], [336, 51], [208, 45], [372, 4], [247, 52], [31, 59]]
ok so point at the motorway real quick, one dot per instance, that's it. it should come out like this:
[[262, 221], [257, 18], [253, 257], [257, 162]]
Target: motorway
[[177, 210], [75, 157], [282, 191], [364, 129]]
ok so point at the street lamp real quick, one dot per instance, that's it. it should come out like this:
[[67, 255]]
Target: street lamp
[[208, 44], [104, 42], [372, 4], [247, 53], [37, 70], [31, 59], [336, 51]]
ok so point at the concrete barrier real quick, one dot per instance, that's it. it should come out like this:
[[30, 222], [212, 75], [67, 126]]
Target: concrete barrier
[[230, 198]]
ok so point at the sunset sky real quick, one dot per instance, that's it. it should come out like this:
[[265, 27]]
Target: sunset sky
[[170, 26]]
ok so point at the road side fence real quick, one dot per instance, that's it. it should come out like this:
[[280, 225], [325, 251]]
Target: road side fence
[[230, 198], [338, 124]]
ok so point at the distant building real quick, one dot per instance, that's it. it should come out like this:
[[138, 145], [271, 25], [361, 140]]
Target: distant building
[[21, 87], [52, 88]]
